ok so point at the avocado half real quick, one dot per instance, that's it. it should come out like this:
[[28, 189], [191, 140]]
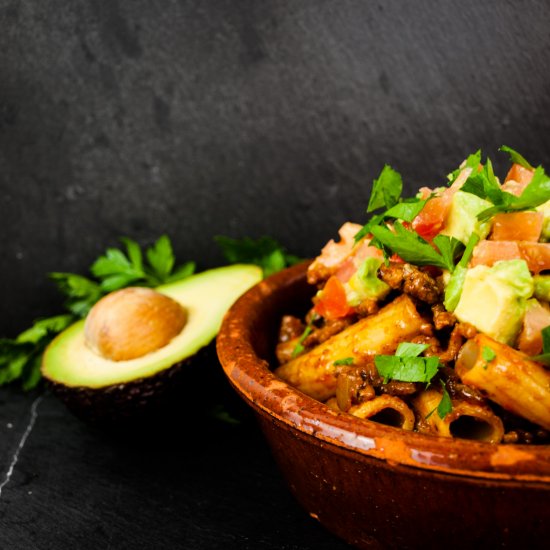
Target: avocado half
[[102, 390]]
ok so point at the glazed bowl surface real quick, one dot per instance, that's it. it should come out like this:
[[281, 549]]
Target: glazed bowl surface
[[374, 485]]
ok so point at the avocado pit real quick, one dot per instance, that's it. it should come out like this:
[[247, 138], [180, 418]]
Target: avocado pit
[[132, 322]]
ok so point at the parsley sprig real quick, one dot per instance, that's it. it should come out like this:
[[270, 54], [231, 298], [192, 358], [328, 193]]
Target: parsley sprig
[[484, 184], [406, 243], [411, 247], [386, 194], [264, 252], [407, 366], [445, 405]]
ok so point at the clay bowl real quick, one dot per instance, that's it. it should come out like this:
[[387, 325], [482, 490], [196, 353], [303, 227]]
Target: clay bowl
[[373, 485]]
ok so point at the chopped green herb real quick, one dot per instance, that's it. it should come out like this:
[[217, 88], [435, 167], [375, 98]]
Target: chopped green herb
[[386, 193], [544, 357], [485, 185], [515, 157], [488, 354], [413, 248], [344, 361], [20, 357], [299, 346], [410, 349], [406, 366], [453, 291], [264, 252], [472, 162], [445, 405], [386, 189]]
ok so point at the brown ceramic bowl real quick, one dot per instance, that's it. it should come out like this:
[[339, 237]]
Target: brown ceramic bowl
[[374, 485]]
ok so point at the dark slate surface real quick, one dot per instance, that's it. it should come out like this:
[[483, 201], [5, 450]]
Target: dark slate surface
[[233, 117], [72, 486], [241, 117]]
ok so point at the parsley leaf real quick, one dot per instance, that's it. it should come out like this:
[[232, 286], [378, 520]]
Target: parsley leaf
[[82, 293], [485, 185], [299, 346], [20, 357], [488, 355], [386, 189], [343, 361], [472, 162], [544, 357], [412, 248], [445, 405], [406, 366], [453, 291], [264, 252], [515, 157], [386, 193]]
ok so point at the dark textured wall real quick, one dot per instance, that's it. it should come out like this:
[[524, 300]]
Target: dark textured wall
[[193, 118]]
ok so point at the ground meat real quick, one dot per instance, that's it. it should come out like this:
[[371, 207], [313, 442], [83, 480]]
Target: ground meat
[[352, 388], [527, 437], [392, 274], [291, 327], [441, 317], [458, 390], [467, 330], [459, 333], [419, 284], [399, 388]]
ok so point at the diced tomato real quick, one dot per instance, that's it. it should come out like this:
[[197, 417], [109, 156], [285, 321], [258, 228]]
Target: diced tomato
[[536, 318], [359, 254], [346, 270], [537, 255], [489, 252], [517, 226], [519, 174], [397, 259], [432, 217], [332, 302]]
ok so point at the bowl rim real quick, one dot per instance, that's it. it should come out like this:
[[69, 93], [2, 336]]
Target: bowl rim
[[251, 376]]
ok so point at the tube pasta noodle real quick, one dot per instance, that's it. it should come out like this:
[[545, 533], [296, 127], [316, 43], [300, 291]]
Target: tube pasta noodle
[[315, 373], [466, 420], [435, 315], [510, 379], [388, 409]]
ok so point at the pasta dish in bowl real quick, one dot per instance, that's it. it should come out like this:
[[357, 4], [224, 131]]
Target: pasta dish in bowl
[[401, 376]]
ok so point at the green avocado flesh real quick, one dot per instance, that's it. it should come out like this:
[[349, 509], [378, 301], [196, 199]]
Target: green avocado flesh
[[206, 297]]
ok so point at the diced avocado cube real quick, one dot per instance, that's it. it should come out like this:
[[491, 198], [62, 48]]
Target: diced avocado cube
[[462, 220], [542, 287], [494, 299], [545, 233], [364, 284]]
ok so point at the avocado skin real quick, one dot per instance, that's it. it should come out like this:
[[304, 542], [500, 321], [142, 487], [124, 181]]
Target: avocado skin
[[142, 401]]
